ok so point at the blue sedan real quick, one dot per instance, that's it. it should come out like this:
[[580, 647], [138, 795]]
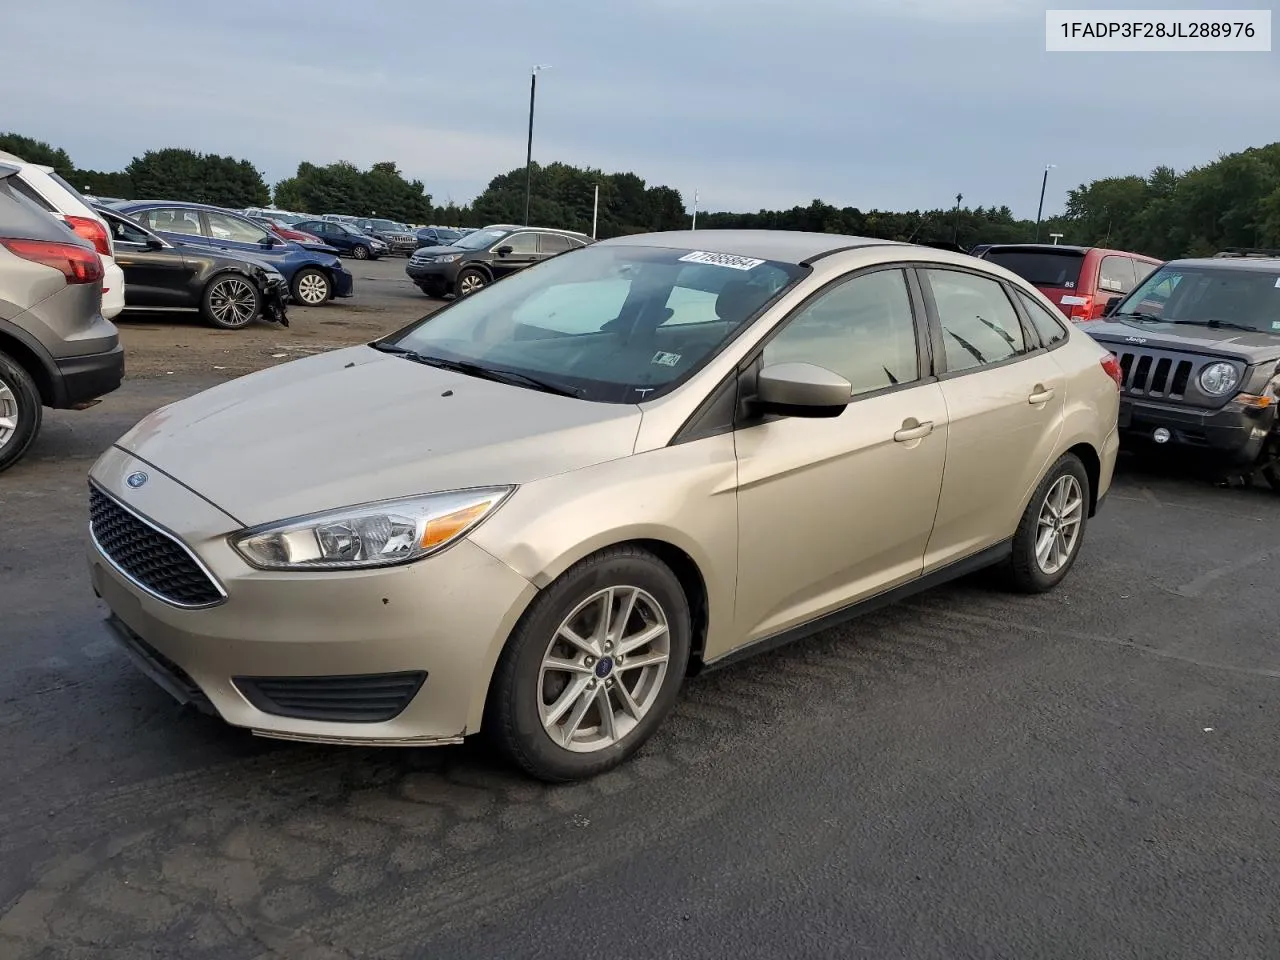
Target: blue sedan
[[314, 272]]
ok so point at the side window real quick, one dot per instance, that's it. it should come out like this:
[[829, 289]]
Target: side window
[[862, 329], [29, 192], [123, 232], [174, 221], [1142, 269], [1047, 325], [552, 243], [1116, 275], [979, 325], [224, 227], [520, 243]]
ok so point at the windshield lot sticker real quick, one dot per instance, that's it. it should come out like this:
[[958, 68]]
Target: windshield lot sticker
[[663, 359], [1275, 324], [732, 261], [1278, 281]]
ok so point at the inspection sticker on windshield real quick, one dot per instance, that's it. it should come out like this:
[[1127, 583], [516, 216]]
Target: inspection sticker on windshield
[[664, 359], [732, 261]]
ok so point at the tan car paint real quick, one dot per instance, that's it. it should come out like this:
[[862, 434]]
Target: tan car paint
[[745, 508]]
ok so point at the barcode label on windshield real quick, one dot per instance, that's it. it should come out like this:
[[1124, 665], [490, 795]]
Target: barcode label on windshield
[[730, 260]]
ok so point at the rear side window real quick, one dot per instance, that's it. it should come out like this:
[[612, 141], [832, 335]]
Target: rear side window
[[24, 188], [1046, 324], [979, 324], [1042, 268], [552, 243], [1115, 275]]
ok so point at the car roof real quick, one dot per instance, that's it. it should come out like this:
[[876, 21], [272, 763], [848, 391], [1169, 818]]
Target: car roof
[[516, 226], [1257, 264], [783, 246], [176, 204]]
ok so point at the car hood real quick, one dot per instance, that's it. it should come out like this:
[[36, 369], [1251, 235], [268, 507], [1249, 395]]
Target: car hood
[[356, 425], [1249, 347], [437, 251]]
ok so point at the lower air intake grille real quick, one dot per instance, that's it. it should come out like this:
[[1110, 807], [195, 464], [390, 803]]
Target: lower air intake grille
[[153, 559], [362, 698]]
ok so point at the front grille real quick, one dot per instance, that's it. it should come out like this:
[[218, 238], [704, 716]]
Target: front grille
[[361, 698], [154, 560], [1164, 375]]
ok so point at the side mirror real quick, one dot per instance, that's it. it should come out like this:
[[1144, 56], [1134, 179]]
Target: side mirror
[[1112, 303], [154, 243], [801, 390], [271, 240], [503, 250]]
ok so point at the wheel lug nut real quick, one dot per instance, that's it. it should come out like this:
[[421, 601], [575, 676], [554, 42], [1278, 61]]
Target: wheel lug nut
[[608, 645], [590, 661]]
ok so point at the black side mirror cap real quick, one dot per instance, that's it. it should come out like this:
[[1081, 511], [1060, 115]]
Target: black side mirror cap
[[154, 243], [1112, 303], [504, 250]]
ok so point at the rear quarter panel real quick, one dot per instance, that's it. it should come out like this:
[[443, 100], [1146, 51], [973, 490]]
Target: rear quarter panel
[[1092, 403]]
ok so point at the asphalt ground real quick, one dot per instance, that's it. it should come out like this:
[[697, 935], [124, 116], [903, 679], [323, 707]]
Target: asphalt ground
[[1093, 773]]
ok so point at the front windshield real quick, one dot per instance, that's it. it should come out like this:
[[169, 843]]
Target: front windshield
[[1206, 296], [480, 239], [615, 324]]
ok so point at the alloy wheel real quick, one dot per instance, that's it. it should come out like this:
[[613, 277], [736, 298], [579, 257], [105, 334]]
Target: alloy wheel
[[8, 413], [233, 302], [1058, 526], [471, 283], [313, 289], [603, 669]]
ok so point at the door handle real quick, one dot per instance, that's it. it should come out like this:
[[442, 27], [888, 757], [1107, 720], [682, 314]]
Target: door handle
[[913, 432], [1040, 394]]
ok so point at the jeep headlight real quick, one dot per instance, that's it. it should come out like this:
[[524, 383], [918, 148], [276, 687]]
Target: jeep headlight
[[370, 534], [1218, 379]]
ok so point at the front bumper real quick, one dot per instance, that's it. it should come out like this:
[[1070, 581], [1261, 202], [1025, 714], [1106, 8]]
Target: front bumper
[[344, 284], [1234, 433], [85, 378], [309, 629], [433, 274]]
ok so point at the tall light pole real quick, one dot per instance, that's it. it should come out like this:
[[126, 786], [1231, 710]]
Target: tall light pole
[[1043, 183], [955, 236], [695, 211], [595, 212], [528, 157]]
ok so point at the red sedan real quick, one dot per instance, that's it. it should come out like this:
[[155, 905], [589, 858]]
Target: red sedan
[[285, 232]]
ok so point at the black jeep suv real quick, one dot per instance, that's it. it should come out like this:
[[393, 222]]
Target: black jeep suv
[[1199, 346]]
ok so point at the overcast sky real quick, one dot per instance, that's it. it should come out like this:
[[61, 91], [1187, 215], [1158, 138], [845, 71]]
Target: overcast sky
[[895, 104]]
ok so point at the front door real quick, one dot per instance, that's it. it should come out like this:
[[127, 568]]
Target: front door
[[832, 511], [1005, 399], [523, 252], [152, 278]]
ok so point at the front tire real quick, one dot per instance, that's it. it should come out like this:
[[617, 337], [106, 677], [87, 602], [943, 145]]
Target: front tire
[[20, 412], [469, 281], [231, 302], [1051, 531], [593, 667], [312, 287], [360, 253]]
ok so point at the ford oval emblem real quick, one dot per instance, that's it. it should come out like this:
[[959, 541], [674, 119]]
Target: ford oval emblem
[[136, 480]]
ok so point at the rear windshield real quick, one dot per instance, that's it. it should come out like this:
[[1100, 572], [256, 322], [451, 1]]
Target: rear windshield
[[1043, 268]]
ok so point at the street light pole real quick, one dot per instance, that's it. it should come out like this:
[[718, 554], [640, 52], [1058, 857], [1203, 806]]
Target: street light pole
[[595, 212], [955, 236], [528, 157], [1040, 212], [695, 211]]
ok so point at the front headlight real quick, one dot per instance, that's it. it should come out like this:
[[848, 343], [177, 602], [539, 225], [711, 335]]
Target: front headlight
[[448, 258], [371, 534], [1218, 379]]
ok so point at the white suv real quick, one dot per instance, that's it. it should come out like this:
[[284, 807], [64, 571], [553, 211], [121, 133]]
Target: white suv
[[42, 186]]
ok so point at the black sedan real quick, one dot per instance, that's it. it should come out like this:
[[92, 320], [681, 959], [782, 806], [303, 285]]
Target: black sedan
[[230, 291]]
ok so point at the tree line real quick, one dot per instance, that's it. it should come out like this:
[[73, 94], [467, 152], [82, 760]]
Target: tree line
[[1231, 201]]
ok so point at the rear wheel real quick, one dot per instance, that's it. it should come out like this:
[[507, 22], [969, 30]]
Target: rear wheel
[[311, 287], [231, 302], [1051, 531], [592, 669], [20, 411]]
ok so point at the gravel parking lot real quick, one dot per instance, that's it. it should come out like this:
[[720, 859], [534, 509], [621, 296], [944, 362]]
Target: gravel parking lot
[[1092, 773]]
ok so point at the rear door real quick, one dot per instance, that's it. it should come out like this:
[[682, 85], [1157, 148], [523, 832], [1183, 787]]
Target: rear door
[[236, 234], [153, 278], [1005, 397], [550, 244]]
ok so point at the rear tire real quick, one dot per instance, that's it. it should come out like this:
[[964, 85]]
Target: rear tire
[[548, 697], [1052, 528], [20, 411]]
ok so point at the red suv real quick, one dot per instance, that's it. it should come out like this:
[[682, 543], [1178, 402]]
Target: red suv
[[1080, 280]]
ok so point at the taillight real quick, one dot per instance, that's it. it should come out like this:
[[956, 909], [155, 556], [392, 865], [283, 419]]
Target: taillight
[[1112, 366], [1082, 310], [92, 231], [77, 264]]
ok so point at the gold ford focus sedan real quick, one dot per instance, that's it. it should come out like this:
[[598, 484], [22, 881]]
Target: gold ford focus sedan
[[539, 509]]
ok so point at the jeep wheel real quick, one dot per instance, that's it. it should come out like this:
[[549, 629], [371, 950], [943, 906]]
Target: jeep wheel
[[20, 412]]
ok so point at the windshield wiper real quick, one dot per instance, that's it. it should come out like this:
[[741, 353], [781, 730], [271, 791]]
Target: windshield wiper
[[1217, 325], [1138, 315], [473, 369]]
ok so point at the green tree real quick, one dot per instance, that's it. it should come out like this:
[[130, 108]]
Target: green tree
[[343, 188], [37, 151], [184, 174]]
